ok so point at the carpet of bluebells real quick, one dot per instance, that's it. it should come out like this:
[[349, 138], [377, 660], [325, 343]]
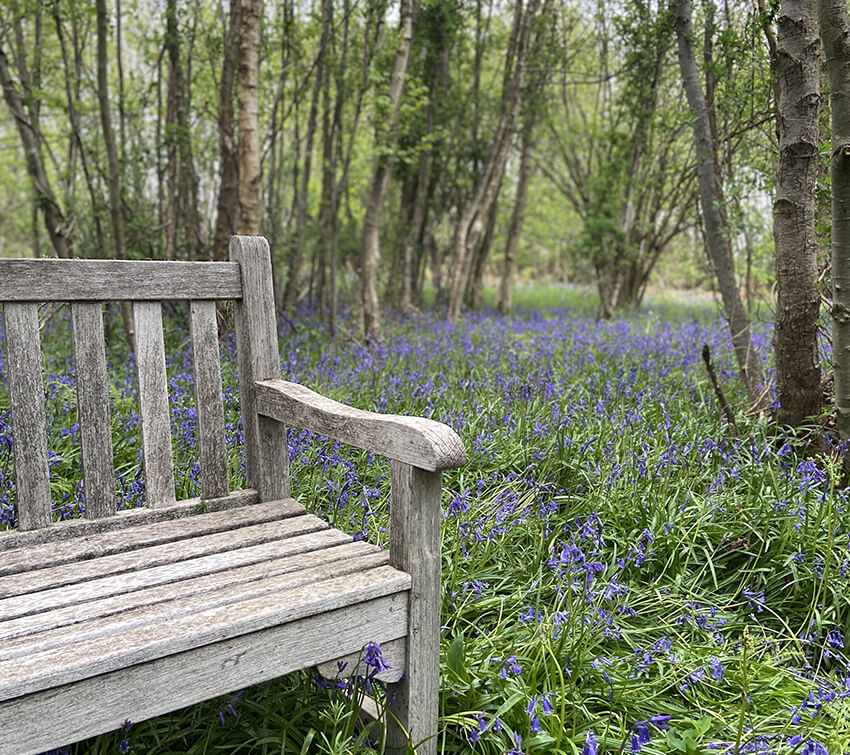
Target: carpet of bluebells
[[620, 574]]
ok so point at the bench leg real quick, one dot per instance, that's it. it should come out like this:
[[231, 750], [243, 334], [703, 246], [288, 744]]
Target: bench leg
[[415, 518]]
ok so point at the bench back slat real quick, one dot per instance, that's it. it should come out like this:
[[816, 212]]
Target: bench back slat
[[112, 280], [93, 409], [26, 394], [212, 454], [153, 404]]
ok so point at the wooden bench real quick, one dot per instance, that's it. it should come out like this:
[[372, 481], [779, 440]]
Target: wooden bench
[[132, 614]]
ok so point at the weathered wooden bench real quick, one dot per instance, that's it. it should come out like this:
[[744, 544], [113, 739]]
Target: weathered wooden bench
[[133, 614]]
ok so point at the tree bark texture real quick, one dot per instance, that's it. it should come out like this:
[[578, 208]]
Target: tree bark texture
[[370, 249], [798, 300], [249, 112], [835, 35], [713, 210]]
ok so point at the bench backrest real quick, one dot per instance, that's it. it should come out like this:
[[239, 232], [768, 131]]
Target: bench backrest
[[86, 284]]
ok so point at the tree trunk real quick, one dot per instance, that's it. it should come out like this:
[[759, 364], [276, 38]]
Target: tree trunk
[[473, 218], [297, 253], [835, 34], [249, 114], [227, 206], [30, 134], [370, 250], [517, 218], [714, 214], [798, 300]]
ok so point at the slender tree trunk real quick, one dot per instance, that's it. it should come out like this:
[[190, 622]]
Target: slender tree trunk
[[517, 218], [798, 300], [713, 211], [473, 218], [113, 171], [249, 113], [835, 34], [227, 206], [296, 256], [370, 250], [54, 219], [475, 287]]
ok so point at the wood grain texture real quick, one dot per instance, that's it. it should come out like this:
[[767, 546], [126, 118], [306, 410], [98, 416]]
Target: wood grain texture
[[73, 528], [111, 280], [203, 566], [65, 665], [328, 546], [266, 459], [353, 664], [29, 430], [415, 517], [37, 722], [421, 442], [212, 454], [106, 544], [157, 555], [93, 409], [311, 571], [153, 404]]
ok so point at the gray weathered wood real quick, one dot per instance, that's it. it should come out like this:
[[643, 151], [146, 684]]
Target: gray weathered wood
[[351, 664], [414, 440], [415, 516], [174, 602], [107, 544], [186, 678], [123, 584], [329, 546], [93, 409], [72, 528], [212, 456], [29, 431], [266, 459], [153, 404], [65, 665], [157, 555], [111, 280]]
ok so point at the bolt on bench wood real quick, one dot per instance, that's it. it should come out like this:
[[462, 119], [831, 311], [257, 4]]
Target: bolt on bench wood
[[132, 614]]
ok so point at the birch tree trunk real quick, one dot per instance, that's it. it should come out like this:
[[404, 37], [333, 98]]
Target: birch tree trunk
[[712, 202], [370, 249], [249, 110], [798, 301], [835, 35], [517, 217]]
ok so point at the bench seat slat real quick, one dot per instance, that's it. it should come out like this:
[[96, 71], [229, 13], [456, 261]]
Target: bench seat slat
[[112, 280], [64, 665], [93, 409], [110, 543], [60, 612], [128, 583], [195, 675], [29, 429], [125, 519], [157, 555], [169, 602]]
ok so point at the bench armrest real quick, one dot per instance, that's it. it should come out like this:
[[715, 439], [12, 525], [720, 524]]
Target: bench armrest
[[420, 442]]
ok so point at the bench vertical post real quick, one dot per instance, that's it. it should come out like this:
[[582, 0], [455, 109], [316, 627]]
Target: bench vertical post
[[266, 456], [415, 515]]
